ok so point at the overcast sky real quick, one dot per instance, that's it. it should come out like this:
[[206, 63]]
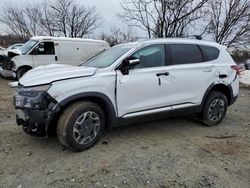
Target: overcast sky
[[107, 8]]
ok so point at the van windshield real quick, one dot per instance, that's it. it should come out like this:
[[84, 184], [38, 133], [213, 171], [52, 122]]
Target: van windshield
[[27, 46], [107, 58]]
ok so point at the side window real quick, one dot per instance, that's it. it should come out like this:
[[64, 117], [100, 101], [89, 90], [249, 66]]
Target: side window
[[209, 53], [44, 48], [151, 56], [185, 53]]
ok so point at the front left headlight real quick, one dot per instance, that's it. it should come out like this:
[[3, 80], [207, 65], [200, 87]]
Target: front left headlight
[[39, 88], [33, 91], [32, 97]]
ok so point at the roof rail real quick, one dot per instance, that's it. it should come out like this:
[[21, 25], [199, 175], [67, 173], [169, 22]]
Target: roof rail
[[198, 37], [140, 39]]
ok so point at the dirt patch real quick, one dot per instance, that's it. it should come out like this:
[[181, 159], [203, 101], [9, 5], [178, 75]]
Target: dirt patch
[[227, 146], [177, 152]]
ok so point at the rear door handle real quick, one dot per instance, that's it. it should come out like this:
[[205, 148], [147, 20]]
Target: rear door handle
[[56, 58], [163, 74]]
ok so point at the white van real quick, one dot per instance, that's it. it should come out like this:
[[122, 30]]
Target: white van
[[43, 50]]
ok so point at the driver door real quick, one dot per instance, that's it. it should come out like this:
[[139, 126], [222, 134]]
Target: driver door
[[146, 87], [43, 54]]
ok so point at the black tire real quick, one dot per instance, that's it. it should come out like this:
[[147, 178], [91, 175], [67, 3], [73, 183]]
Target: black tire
[[69, 127], [21, 72], [213, 115]]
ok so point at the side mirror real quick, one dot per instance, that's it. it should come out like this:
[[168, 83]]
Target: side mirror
[[128, 64], [133, 62]]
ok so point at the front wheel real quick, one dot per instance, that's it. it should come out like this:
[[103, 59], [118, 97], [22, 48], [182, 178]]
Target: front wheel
[[215, 109], [81, 125]]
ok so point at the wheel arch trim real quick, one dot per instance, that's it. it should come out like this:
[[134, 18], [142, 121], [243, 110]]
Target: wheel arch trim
[[212, 86], [109, 106], [24, 66]]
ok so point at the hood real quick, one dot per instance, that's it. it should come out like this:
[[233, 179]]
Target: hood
[[54, 72], [12, 51], [16, 51]]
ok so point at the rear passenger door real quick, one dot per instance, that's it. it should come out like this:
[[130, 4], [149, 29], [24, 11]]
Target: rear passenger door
[[191, 75]]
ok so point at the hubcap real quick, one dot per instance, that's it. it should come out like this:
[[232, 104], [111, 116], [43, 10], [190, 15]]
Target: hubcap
[[216, 109], [86, 127]]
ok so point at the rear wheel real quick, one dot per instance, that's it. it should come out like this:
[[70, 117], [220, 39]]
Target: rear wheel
[[21, 72], [81, 125], [215, 109]]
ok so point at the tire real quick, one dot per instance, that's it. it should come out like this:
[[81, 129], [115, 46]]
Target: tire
[[214, 109], [21, 72], [81, 125]]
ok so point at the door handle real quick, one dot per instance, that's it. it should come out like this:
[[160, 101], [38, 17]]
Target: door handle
[[163, 74], [56, 58]]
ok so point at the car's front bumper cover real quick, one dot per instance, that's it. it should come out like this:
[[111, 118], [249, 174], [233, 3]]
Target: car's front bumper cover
[[36, 121]]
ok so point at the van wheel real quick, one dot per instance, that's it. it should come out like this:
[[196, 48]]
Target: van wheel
[[21, 72], [81, 125], [215, 109]]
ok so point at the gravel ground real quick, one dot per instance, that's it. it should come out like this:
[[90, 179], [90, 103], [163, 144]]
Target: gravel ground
[[178, 152]]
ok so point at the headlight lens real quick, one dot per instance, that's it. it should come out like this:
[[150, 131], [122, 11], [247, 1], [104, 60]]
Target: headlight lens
[[39, 88], [33, 91], [32, 97]]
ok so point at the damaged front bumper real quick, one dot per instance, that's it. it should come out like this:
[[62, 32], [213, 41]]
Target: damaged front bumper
[[35, 112], [34, 122]]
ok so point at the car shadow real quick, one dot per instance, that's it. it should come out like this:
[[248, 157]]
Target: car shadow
[[163, 126]]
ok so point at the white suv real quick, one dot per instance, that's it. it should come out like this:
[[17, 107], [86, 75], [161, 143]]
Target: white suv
[[129, 82]]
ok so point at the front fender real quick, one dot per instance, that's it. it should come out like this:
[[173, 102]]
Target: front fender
[[21, 60], [99, 98]]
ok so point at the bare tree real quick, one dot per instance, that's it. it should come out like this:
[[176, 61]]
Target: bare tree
[[74, 20], [117, 36], [162, 18], [83, 21], [61, 10], [229, 21], [21, 22], [47, 22], [32, 13], [61, 17]]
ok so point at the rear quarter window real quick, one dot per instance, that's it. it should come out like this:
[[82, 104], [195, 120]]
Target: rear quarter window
[[209, 53], [185, 53]]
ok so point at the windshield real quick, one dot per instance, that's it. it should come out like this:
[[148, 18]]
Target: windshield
[[107, 58], [27, 46]]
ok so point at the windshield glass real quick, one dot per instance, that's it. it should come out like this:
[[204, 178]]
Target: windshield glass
[[107, 58], [27, 46]]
